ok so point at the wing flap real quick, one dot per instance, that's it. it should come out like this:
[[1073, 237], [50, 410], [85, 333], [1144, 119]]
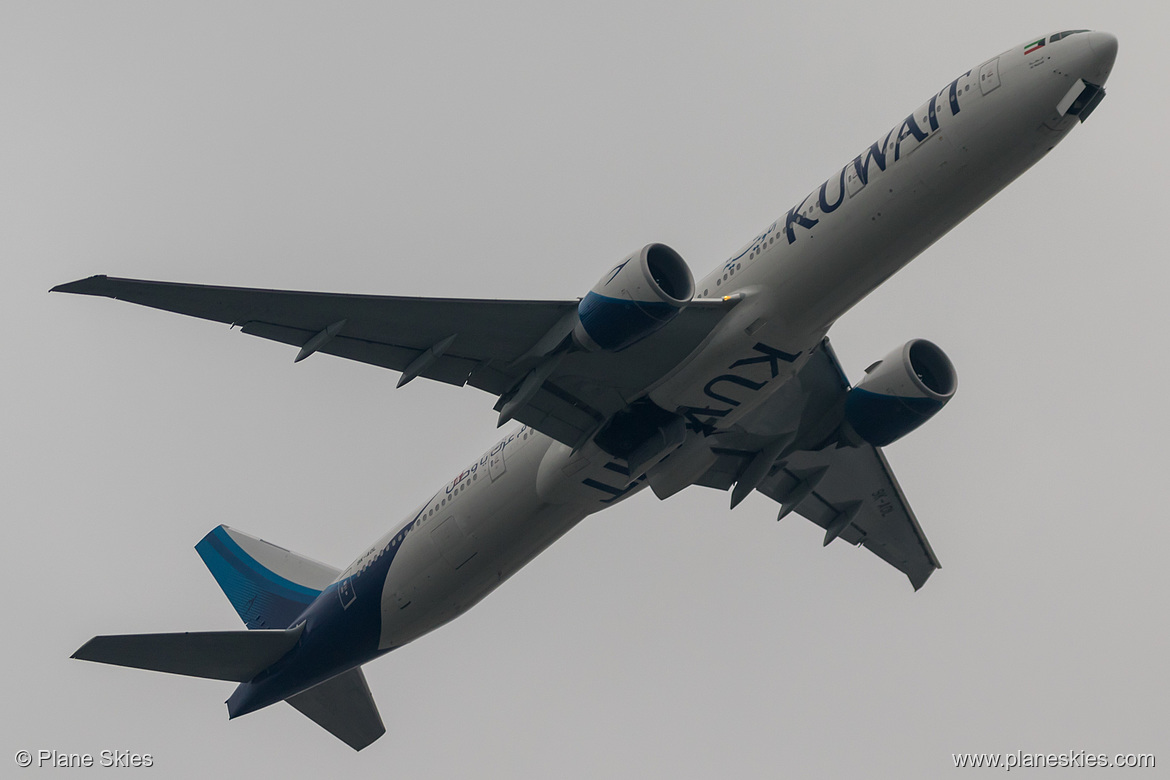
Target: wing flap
[[450, 369]]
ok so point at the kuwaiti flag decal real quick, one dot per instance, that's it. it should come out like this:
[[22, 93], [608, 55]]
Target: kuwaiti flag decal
[[1031, 47]]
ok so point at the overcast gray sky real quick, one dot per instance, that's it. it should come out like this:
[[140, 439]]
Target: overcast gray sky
[[517, 151]]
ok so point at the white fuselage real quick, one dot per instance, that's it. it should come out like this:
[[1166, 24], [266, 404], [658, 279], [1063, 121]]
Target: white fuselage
[[866, 221]]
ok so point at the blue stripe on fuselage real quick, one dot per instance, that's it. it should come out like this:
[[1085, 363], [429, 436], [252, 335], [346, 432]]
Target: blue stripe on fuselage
[[336, 637]]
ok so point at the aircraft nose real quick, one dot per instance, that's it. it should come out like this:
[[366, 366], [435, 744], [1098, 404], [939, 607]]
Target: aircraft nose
[[1104, 48]]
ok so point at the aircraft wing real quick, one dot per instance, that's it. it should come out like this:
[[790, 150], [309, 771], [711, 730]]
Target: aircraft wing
[[850, 491], [859, 478], [489, 344]]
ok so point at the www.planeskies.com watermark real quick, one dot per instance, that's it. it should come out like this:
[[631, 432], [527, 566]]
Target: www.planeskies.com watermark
[[1071, 759]]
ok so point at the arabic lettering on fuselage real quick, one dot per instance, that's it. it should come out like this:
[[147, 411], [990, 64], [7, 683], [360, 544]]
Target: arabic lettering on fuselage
[[857, 172], [468, 472]]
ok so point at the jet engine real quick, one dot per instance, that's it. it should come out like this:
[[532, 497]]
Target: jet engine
[[635, 298], [900, 392]]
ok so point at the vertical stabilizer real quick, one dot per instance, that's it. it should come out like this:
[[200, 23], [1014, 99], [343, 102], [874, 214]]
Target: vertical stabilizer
[[268, 585]]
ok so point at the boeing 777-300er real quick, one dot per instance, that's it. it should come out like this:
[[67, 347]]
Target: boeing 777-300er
[[651, 380]]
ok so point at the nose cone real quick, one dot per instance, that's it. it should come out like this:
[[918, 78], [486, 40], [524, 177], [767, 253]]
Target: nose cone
[[1104, 51]]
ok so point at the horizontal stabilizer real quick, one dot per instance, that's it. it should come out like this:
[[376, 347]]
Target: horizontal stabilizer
[[344, 707], [217, 655], [268, 585]]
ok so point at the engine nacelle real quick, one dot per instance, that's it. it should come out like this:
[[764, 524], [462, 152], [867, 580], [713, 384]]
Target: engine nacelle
[[900, 392], [635, 298]]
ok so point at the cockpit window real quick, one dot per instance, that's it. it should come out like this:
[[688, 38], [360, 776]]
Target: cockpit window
[[1064, 34]]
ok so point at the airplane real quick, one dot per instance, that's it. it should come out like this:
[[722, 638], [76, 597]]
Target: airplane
[[652, 379]]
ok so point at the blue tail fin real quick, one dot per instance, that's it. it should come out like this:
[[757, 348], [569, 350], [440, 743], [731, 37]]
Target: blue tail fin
[[268, 585]]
